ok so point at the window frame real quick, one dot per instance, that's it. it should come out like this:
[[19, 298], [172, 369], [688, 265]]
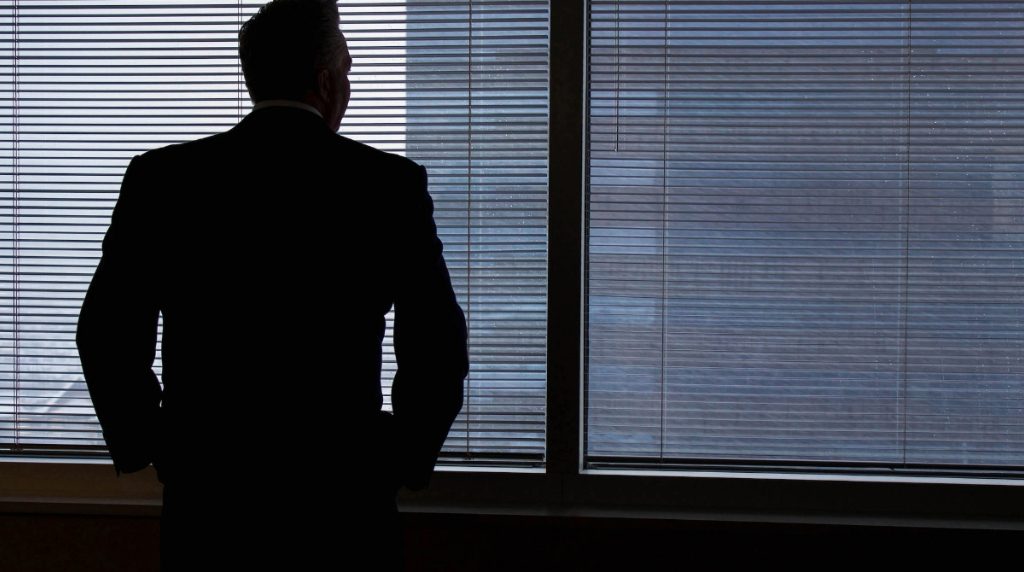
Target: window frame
[[565, 487]]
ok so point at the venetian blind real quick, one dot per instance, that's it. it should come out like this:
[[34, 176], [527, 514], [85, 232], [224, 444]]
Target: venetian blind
[[805, 232], [460, 87]]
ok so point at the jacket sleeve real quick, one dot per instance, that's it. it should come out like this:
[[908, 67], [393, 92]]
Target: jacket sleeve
[[117, 329], [429, 338]]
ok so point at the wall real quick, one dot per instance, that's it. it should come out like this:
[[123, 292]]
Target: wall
[[457, 542]]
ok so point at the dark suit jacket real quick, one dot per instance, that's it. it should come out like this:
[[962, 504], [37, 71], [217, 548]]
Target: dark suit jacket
[[273, 252]]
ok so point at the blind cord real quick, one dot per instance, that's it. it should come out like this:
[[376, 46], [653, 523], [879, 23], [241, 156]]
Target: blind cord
[[905, 302], [16, 250]]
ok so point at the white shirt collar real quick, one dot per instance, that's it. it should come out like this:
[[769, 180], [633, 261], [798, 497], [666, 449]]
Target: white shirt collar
[[286, 103]]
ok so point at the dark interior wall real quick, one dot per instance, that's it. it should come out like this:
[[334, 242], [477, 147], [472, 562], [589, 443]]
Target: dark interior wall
[[79, 543], [461, 542], [503, 543]]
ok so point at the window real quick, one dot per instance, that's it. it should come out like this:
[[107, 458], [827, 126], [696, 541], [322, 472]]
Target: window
[[460, 87], [804, 235]]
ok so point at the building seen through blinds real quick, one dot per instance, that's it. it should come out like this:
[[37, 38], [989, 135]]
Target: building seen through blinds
[[806, 235], [459, 86]]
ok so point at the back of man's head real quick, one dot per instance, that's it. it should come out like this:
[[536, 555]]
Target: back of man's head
[[285, 45]]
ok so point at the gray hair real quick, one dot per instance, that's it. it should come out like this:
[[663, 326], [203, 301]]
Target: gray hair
[[286, 43]]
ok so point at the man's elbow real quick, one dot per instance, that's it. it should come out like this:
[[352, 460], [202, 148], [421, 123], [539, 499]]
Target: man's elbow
[[85, 339], [463, 364], [94, 343], [456, 367], [92, 330], [457, 370]]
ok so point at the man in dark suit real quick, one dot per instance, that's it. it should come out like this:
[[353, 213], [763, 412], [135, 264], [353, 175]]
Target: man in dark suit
[[273, 252]]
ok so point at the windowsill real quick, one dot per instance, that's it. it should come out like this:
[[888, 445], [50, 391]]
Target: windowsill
[[814, 477], [724, 517], [77, 488], [93, 489], [920, 502]]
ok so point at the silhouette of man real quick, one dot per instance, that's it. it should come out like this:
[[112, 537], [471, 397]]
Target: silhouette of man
[[273, 252]]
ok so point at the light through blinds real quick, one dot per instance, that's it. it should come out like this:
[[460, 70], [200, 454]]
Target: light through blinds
[[460, 87], [806, 235]]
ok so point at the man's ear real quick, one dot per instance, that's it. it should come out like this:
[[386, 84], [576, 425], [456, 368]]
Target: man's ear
[[324, 86]]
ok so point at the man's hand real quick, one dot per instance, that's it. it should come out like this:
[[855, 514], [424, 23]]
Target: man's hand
[[390, 453]]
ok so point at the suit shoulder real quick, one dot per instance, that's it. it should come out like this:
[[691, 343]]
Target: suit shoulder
[[395, 164], [175, 151]]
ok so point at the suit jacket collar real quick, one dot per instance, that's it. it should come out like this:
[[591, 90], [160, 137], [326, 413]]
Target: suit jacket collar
[[283, 119], [287, 103]]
